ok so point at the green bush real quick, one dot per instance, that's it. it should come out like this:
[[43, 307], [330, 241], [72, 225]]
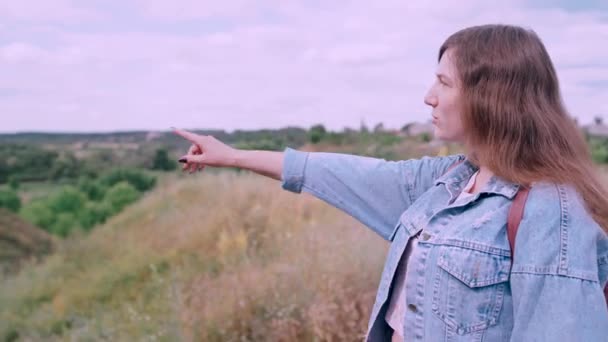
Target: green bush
[[316, 133], [334, 138], [59, 214], [425, 137], [13, 182], [138, 179], [10, 200], [388, 139], [68, 200], [39, 213], [90, 203], [263, 144], [600, 154], [66, 166], [599, 149], [121, 195], [92, 189], [64, 224], [162, 161], [94, 213]]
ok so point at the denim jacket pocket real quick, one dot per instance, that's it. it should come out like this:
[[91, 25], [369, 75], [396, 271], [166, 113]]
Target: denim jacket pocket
[[469, 287]]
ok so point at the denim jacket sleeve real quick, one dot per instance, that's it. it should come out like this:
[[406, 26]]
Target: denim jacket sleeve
[[374, 191], [556, 284]]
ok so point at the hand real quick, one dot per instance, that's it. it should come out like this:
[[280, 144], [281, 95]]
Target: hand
[[205, 150]]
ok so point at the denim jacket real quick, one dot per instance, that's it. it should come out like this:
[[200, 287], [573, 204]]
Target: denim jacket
[[468, 286]]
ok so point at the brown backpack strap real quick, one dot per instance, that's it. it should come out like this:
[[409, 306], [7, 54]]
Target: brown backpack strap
[[516, 212]]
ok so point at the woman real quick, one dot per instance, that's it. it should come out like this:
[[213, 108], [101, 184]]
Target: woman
[[450, 274]]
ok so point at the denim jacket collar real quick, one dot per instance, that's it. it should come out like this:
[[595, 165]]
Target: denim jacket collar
[[456, 179]]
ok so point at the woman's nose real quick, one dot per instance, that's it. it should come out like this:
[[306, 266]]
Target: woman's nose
[[430, 100]]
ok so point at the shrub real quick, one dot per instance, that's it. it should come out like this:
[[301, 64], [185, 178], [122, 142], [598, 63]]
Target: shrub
[[94, 213], [162, 161], [10, 200], [425, 137], [92, 189], [316, 133], [68, 200], [599, 150], [121, 195], [13, 183], [39, 213], [138, 179], [64, 224]]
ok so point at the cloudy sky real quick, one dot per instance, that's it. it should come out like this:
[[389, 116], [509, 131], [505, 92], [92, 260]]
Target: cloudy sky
[[99, 65]]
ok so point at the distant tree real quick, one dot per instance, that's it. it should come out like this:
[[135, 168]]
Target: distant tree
[[13, 182], [10, 200], [379, 128], [162, 161], [406, 127], [30, 162], [598, 120], [425, 137], [4, 171], [66, 166], [363, 128], [316, 133], [105, 156], [68, 200]]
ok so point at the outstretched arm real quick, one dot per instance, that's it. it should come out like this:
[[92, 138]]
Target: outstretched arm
[[372, 190], [206, 150]]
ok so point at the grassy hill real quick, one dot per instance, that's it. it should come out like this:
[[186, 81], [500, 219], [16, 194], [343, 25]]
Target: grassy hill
[[216, 257], [20, 243]]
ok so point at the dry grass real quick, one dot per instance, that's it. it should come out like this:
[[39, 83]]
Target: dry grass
[[215, 257]]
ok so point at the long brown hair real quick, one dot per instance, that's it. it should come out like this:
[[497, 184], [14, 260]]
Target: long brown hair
[[514, 115]]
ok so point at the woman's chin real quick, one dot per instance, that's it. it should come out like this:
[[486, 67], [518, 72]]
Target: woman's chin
[[438, 134], [441, 135]]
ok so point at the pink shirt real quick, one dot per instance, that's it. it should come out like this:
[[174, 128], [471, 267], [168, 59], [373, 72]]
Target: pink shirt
[[395, 315]]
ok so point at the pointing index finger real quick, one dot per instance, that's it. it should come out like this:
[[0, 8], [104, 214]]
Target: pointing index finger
[[187, 135]]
